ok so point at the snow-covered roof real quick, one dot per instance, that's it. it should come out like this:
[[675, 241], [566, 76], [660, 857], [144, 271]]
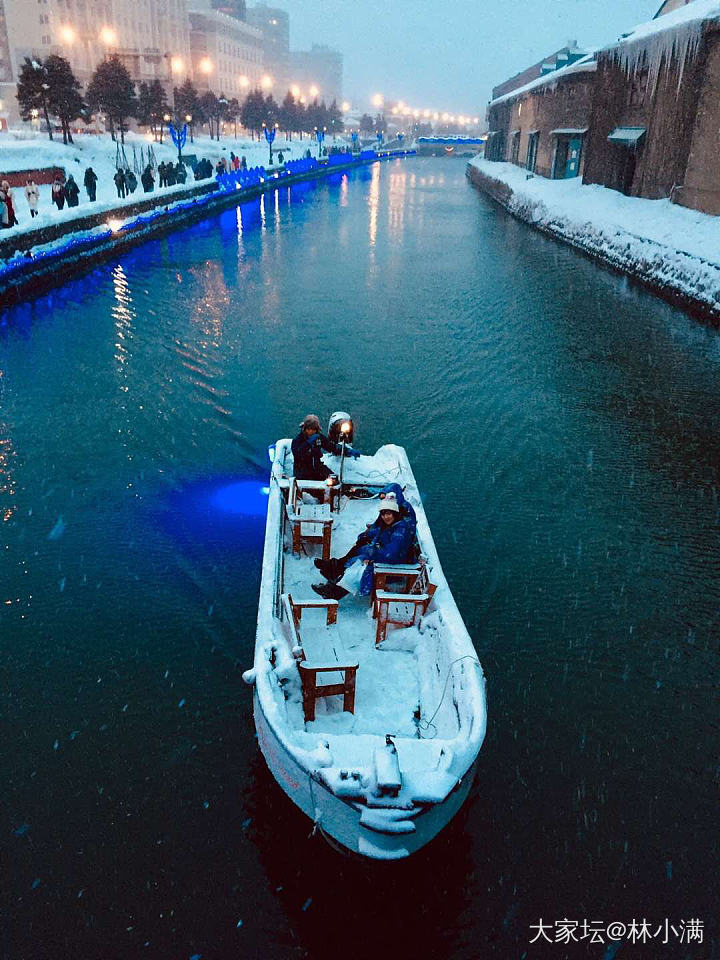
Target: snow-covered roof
[[585, 65], [673, 37], [692, 13]]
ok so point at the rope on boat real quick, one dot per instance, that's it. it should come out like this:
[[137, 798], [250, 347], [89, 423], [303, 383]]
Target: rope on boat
[[426, 724]]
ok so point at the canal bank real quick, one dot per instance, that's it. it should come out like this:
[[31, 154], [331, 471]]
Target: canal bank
[[664, 247], [31, 272]]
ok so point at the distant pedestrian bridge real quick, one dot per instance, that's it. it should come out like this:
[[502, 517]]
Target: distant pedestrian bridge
[[450, 146]]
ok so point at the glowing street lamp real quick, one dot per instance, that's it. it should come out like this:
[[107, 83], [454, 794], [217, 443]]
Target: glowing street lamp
[[206, 66], [345, 106], [67, 34], [378, 101], [270, 134], [244, 82], [295, 90], [177, 64], [188, 122], [108, 36], [266, 82], [314, 92]]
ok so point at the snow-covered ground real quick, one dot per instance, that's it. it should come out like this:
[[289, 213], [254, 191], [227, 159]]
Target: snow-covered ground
[[656, 240], [23, 151]]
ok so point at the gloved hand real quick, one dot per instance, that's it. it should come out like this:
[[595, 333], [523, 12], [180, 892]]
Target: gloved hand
[[352, 453], [315, 439]]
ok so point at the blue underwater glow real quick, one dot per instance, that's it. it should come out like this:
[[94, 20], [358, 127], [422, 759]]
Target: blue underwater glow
[[246, 498]]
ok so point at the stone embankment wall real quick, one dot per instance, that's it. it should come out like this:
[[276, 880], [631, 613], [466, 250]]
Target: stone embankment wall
[[683, 279]]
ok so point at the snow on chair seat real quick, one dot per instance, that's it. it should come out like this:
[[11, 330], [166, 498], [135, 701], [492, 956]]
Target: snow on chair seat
[[408, 573], [325, 669], [400, 609], [309, 522]]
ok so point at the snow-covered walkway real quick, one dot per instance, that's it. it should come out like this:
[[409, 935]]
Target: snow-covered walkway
[[673, 249]]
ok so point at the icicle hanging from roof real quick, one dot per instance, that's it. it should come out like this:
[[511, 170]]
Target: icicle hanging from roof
[[661, 47]]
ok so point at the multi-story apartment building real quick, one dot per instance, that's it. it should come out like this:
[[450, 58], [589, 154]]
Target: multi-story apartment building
[[319, 68], [226, 53], [274, 25], [151, 37]]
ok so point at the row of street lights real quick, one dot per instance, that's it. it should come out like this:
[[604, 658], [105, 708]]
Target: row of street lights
[[401, 109]]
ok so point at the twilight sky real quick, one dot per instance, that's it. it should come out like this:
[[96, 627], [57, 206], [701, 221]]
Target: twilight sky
[[447, 54]]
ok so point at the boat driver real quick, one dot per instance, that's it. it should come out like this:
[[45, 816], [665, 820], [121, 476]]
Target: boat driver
[[308, 448]]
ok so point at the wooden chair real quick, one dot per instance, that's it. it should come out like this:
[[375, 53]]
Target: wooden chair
[[403, 609], [309, 522], [325, 669], [408, 573]]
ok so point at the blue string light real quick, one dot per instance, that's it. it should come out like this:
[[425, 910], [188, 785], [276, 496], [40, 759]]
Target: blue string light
[[243, 180]]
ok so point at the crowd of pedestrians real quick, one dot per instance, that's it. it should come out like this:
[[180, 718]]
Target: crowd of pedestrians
[[67, 191]]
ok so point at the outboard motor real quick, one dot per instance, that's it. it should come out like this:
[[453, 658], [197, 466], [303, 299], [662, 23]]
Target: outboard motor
[[341, 427]]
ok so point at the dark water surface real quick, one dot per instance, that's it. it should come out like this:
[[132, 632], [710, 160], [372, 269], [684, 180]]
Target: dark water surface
[[564, 429]]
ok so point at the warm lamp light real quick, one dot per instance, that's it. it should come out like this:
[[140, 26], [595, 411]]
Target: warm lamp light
[[108, 36], [67, 34], [206, 65]]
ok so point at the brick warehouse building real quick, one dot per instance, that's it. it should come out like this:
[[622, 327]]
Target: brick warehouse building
[[656, 111], [542, 125]]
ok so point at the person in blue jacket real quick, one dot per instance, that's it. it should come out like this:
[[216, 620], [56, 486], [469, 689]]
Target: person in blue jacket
[[390, 539], [308, 448]]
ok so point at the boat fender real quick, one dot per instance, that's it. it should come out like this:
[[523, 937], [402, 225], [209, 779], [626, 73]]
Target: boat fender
[[249, 676]]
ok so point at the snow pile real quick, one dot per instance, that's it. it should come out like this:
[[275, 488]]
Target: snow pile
[[24, 151], [673, 37], [668, 246]]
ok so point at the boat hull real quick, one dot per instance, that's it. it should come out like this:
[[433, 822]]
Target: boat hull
[[340, 819]]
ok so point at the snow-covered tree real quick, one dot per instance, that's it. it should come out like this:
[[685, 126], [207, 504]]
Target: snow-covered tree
[[111, 90], [334, 119], [252, 113], [33, 92], [152, 106]]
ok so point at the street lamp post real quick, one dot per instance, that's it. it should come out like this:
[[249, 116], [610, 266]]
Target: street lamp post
[[188, 120], [166, 119], [179, 138], [222, 103], [320, 134], [270, 133]]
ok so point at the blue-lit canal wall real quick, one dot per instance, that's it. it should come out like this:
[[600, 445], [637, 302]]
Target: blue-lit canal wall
[[30, 274]]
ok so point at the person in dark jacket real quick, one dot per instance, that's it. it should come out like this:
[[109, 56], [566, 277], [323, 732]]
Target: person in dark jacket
[[120, 183], [180, 173], [72, 192], [147, 179], [390, 539], [307, 450], [90, 181], [58, 193], [130, 181]]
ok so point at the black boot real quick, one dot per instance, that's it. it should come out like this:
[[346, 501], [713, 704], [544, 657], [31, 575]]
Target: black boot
[[329, 591]]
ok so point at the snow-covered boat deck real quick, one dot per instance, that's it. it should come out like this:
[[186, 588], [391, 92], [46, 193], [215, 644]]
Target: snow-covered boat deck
[[422, 686]]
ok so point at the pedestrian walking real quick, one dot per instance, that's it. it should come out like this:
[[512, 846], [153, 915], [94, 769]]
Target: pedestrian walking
[[90, 182], [72, 192], [58, 193], [120, 183], [32, 195], [12, 219], [147, 179], [130, 181], [4, 217], [180, 173]]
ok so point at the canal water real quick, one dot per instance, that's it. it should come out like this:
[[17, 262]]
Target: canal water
[[563, 429]]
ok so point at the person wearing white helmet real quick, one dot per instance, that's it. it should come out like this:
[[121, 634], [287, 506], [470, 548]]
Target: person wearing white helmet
[[390, 539]]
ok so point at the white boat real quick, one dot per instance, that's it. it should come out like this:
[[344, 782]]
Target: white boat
[[376, 743]]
